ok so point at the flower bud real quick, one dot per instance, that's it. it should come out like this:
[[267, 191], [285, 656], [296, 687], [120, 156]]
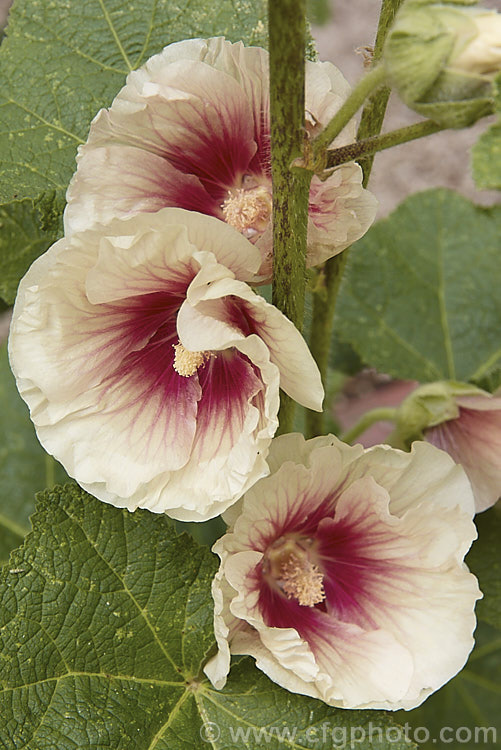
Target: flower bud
[[443, 57]]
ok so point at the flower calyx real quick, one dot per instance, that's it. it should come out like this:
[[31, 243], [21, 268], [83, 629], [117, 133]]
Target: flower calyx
[[429, 405]]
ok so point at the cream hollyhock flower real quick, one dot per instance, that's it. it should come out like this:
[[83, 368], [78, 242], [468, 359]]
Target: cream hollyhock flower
[[342, 573], [150, 368], [191, 129]]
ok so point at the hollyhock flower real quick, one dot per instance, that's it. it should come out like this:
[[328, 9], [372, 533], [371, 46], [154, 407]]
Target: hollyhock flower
[[191, 129], [473, 439], [462, 420], [150, 368], [342, 573]]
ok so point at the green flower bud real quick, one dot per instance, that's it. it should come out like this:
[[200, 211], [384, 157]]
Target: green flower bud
[[443, 57], [428, 406]]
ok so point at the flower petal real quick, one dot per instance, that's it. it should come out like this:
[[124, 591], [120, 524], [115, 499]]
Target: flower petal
[[474, 441], [234, 305], [121, 180]]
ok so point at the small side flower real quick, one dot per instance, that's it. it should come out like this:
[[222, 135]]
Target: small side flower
[[342, 573], [464, 421]]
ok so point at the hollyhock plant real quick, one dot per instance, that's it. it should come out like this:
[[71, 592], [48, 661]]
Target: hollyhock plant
[[342, 573], [191, 129], [151, 369]]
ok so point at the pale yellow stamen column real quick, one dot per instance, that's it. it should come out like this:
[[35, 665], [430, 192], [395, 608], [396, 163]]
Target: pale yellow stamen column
[[248, 210], [290, 566], [303, 581], [186, 363]]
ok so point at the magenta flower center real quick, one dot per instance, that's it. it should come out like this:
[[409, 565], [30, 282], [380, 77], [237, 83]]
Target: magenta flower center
[[249, 207], [290, 566]]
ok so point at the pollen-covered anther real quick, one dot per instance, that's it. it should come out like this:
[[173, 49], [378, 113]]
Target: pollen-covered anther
[[186, 363], [248, 210], [302, 580]]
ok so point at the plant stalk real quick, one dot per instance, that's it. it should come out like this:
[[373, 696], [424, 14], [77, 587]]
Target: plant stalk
[[367, 84], [287, 31], [371, 146], [371, 123], [382, 414]]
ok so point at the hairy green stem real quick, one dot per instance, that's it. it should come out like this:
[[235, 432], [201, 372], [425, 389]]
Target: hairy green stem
[[371, 146], [287, 29], [383, 414], [367, 84], [324, 303], [374, 110], [371, 123]]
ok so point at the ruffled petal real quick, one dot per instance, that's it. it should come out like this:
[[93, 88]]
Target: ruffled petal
[[419, 476], [326, 90], [187, 112], [233, 306]]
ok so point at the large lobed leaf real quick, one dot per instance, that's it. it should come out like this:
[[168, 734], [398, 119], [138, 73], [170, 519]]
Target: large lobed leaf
[[62, 62], [105, 625], [25, 468], [420, 296], [486, 159], [22, 240]]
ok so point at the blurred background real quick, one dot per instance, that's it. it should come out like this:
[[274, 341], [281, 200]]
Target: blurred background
[[341, 29]]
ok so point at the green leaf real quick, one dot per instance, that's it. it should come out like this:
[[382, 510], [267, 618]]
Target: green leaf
[[465, 712], [253, 712], [105, 625], [486, 159], [485, 562], [420, 296], [25, 468], [62, 62], [26, 231]]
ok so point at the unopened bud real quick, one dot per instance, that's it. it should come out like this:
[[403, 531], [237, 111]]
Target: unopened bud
[[442, 57]]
